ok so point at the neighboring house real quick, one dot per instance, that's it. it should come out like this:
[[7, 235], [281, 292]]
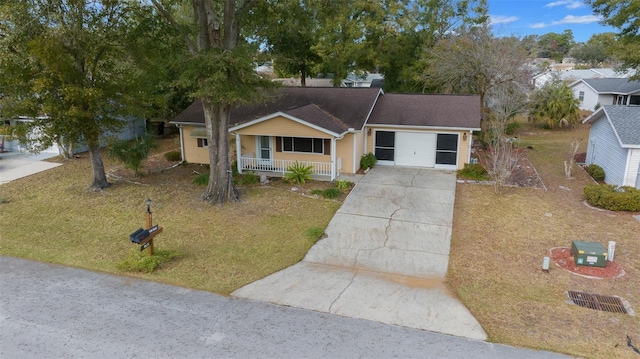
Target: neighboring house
[[606, 91], [573, 75], [363, 80], [332, 128], [614, 143], [132, 128]]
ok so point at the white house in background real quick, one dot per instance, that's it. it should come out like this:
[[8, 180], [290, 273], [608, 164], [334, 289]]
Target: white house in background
[[132, 127], [363, 80], [607, 91], [573, 75], [614, 143]]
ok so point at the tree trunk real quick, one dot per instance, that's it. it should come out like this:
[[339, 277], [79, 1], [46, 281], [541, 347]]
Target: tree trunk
[[99, 177], [220, 189], [303, 75]]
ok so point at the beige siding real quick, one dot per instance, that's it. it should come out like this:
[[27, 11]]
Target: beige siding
[[248, 145], [344, 149], [193, 153], [360, 138], [463, 145], [463, 150], [281, 126]]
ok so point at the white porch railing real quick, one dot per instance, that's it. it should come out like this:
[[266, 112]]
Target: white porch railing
[[280, 166]]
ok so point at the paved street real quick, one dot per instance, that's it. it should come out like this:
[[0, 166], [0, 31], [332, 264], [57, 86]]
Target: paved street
[[49, 311]]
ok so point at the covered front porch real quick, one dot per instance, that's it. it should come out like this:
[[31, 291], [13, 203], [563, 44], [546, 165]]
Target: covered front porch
[[323, 170], [269, 157], [249, 162]]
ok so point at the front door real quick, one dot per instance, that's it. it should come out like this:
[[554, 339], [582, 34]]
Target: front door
[[263, 146]]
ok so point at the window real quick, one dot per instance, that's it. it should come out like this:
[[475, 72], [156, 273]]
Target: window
[[581, 96], [446, 149], [202, 142], [385, 145], [301, 144]]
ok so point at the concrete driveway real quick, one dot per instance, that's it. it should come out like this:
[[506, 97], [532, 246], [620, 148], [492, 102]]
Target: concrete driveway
[[14, 165], [384, 257]]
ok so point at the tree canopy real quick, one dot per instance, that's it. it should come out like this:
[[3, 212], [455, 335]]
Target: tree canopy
[[67, 65], [220, 66], [474, 61], [624, 15]]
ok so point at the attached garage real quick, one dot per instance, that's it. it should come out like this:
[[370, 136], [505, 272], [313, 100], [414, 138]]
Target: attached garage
[[416, 148], [419, 130]]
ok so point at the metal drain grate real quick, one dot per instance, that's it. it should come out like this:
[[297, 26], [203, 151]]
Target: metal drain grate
[[604, 303]]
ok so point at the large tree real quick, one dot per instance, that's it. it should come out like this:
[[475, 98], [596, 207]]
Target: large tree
[[474, 61], [288, 29], [596, 51], [348, 35], [624, 15], [555, 46], [221, 67], [65, 63], [416, 26]]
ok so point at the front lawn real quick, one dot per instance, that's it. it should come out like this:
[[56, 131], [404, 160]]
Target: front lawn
[[498, 245], [53, 217]]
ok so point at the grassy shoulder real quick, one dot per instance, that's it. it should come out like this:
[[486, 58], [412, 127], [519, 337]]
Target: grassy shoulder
[[53, 217], [498, 243]]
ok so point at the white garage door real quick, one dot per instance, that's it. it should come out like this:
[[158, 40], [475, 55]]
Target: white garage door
[[415, 149]]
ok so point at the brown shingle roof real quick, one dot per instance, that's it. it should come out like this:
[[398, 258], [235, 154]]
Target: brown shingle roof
[[457, 111], [333, 108], [337, 109]]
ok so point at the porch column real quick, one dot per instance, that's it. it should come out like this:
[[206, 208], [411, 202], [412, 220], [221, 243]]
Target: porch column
[[333, 158], [238, 154], [469, 147]]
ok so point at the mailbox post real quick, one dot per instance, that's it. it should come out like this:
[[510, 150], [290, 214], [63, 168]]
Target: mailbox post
[[144, 237], [149, 224]]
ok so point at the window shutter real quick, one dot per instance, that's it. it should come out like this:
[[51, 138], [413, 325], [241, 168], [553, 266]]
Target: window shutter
[[278, 144], [327, 146]]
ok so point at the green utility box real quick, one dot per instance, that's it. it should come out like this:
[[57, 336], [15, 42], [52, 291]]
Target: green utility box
[[590, 254]]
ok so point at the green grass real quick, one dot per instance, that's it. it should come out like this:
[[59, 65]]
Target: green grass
[[499, 241], [53, 217]]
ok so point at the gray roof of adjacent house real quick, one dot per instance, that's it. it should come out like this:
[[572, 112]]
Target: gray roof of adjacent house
[[625, 121], [613, 86], [337, 109], [452, 111]]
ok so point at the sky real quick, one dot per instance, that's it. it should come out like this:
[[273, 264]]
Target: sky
[[539, 17]]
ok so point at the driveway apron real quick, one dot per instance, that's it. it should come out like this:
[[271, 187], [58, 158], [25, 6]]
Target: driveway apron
[[384, 257]]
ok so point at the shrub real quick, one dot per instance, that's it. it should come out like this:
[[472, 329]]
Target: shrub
[[141, 262], [298, 173], [474, 171], [613, 198], [173, 156], [596, 172], [511, 128], [343, 185], [329, 193], [131, 153], [314, 233], [248, 177], [368, 161], [202, 179]]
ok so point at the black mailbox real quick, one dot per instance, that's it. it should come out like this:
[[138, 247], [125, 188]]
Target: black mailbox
[[141, 236], [133, 236]]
